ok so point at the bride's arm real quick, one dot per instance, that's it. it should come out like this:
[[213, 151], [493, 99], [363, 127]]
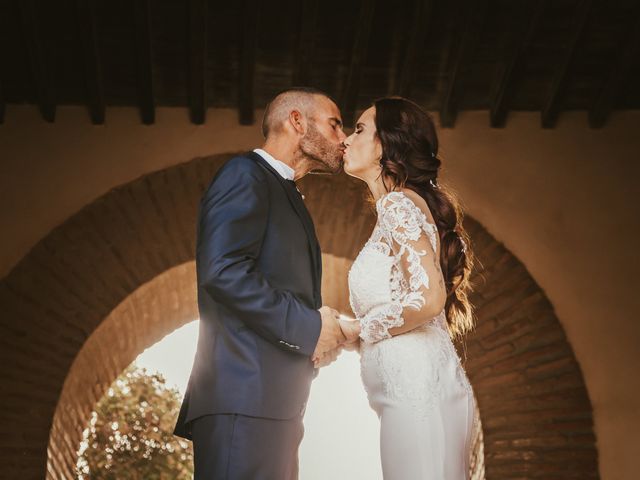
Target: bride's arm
[[423, 295], [426, 295], [418, 291]]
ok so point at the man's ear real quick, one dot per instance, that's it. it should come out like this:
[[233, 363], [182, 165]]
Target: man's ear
[[298, 121]]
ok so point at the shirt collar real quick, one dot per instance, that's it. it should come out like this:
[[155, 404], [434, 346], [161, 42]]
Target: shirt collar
[[282, 168]]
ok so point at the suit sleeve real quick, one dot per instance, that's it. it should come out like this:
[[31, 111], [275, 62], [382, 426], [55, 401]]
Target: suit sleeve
[[233, 219]]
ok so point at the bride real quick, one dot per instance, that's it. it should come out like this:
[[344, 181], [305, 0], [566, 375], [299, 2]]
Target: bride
[[408, 289]]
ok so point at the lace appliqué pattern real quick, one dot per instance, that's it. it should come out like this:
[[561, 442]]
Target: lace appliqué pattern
[[400, 222], [410, 365]]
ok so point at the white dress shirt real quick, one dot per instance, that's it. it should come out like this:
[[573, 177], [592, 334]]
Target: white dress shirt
[[282, 168]]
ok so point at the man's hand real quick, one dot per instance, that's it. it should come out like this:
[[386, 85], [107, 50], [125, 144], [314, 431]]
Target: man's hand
[[351, 331], [331, 336], [328, 358]]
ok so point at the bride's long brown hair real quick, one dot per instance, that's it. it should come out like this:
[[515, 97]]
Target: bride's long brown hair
[[410, 160]]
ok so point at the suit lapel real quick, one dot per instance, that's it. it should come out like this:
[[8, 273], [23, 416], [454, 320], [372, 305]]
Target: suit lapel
[[298, 205]]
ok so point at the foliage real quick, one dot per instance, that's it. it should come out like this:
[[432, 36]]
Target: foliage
[[130, 433]]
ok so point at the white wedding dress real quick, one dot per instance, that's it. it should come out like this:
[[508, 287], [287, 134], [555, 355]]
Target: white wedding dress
[[414, 381]]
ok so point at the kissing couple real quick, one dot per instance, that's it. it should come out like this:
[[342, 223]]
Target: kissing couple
[[264, 331]]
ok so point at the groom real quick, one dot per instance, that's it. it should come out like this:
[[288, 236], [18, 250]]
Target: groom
[[258, 266]]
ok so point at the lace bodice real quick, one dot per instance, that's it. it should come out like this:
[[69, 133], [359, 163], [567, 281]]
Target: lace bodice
[[398, 269], [395, 268]]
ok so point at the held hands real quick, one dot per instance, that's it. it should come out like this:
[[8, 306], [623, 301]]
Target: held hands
[[335, 334], [327, 358], [351, 330], [331, 336]]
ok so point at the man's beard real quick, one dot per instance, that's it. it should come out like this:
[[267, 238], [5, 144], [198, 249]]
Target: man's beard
[[325, 156]]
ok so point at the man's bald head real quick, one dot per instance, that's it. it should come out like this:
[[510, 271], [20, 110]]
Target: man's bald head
[[278, 110]]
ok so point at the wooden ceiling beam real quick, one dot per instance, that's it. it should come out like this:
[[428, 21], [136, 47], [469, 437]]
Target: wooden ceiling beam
[[521, 37], [473, 13], [628, 52], [551, 109], [197, 60], [306, 42], [37, 60], [396, 29], [91, 59], [2, 105], [421, 19], [144, 65], [248, 40], [358, 57]]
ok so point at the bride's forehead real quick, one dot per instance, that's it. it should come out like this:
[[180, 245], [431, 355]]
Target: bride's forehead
[[367, 116]]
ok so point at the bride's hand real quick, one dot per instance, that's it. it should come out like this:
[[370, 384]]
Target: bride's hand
[[352, 346], [351, 330]]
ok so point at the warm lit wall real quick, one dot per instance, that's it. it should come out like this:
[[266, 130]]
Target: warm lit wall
[[561, 200]]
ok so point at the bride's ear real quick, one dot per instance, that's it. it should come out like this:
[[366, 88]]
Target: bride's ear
[[378, 151]]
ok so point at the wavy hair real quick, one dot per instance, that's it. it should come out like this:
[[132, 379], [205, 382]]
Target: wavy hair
[[410, 160]]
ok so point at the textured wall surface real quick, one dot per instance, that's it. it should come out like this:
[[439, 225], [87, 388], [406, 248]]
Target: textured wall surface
[[117, 276], [562, 201]]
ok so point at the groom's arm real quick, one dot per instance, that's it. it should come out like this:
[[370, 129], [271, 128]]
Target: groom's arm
[[233, 220]]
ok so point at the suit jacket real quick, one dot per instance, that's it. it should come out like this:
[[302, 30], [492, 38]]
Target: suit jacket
[[259, 269]]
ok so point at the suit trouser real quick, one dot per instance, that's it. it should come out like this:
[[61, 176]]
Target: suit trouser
[[237, 447]]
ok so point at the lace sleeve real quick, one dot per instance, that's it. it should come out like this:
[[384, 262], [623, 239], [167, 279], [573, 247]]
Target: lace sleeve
[[413, 244]]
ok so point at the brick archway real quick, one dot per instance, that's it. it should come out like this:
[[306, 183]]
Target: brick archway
[[68, 306]]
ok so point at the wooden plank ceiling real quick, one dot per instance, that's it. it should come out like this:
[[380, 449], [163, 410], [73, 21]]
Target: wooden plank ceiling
[[548, 56]]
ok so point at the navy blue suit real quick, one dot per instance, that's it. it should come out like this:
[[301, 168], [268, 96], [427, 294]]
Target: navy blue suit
[[258, 266]]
